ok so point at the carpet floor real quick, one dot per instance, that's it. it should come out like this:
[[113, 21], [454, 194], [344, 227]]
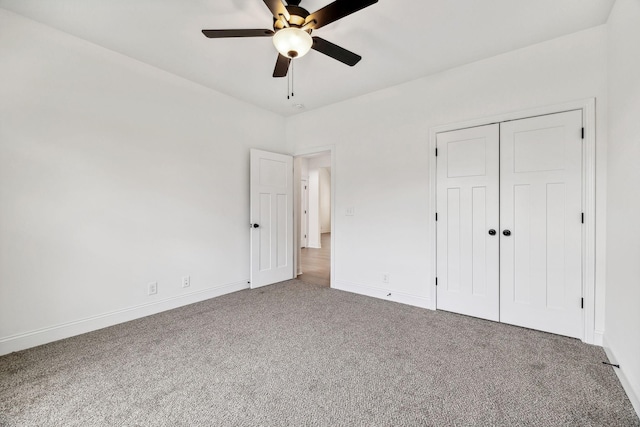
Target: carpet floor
[[295, 354]]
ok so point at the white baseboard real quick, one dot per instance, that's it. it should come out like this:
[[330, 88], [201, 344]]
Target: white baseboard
[[385, 294], [598, 338], [633, 395], [54, 333]]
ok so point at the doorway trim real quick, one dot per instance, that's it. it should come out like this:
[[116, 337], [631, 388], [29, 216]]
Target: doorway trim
[[296, 202], [588, 107]]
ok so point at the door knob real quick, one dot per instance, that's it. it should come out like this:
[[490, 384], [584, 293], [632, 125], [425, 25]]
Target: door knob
[[506, 233], [256, 225], [492, 232]]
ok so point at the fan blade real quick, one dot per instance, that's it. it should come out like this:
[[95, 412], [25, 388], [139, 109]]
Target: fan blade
[[282, 66], [277, 8], [336, 10], [335, 51], [218, 34]]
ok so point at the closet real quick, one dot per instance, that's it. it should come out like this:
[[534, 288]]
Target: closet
[[509, 222]]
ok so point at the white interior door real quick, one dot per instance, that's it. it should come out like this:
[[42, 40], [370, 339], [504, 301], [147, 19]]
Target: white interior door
[[468, 215], [541, 208], [271, 198]]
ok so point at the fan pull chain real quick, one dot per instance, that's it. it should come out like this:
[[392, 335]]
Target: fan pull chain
[[290, 81]]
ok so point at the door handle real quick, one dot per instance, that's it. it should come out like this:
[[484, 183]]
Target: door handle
[[507, 232], [254, 225], [492, 232]]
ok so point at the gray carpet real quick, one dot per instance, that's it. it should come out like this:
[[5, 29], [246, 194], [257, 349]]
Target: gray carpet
[[300, 354]]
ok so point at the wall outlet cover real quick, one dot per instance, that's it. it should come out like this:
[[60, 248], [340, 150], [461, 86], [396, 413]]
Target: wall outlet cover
[[152, 288]]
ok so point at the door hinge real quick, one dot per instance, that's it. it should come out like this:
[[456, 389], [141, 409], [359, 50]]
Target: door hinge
[[436, 152], [581, 302], [582, 217], [436, 281], [436, 216], [582, 133]]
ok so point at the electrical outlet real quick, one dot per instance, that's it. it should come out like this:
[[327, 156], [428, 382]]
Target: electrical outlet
[[385, 277], [152, 288], [186, 281]]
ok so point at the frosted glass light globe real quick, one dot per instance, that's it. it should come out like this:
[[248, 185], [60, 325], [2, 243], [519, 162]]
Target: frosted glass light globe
[[292, 42]]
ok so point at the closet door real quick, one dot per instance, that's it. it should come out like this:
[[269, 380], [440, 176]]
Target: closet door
[[467, 227], [540, 217]]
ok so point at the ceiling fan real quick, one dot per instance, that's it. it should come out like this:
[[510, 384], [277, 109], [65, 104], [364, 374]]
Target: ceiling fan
[[292, 27]]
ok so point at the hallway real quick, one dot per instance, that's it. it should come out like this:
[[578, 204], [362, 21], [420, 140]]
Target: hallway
[[316, 263]]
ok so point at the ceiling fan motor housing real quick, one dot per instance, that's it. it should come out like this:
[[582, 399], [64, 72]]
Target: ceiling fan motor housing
[[297, 18]]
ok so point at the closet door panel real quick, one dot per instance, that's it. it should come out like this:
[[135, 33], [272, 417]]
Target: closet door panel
[[467, 206], [540, 207]]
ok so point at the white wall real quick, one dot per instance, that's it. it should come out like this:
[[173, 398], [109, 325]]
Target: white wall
[[382, 156], [317, 197], [325, 199], [314, 209], [320, 161], [622, 336], [114, 174]]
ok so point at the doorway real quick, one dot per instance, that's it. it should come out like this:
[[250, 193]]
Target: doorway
[[314, 211], [510, 222]]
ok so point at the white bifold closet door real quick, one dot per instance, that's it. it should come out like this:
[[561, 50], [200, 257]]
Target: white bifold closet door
[[523, 180], [468, 208], [541, 205]]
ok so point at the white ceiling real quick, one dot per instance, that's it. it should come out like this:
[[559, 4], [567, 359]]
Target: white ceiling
[[399, 40]]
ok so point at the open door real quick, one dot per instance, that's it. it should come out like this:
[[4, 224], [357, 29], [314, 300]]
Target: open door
[[271, 218]]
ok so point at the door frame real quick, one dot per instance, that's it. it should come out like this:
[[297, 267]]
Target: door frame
[[296, 202], [588, 108]]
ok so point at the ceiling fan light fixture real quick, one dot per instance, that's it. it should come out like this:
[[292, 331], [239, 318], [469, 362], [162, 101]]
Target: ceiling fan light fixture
[[292, 42]]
